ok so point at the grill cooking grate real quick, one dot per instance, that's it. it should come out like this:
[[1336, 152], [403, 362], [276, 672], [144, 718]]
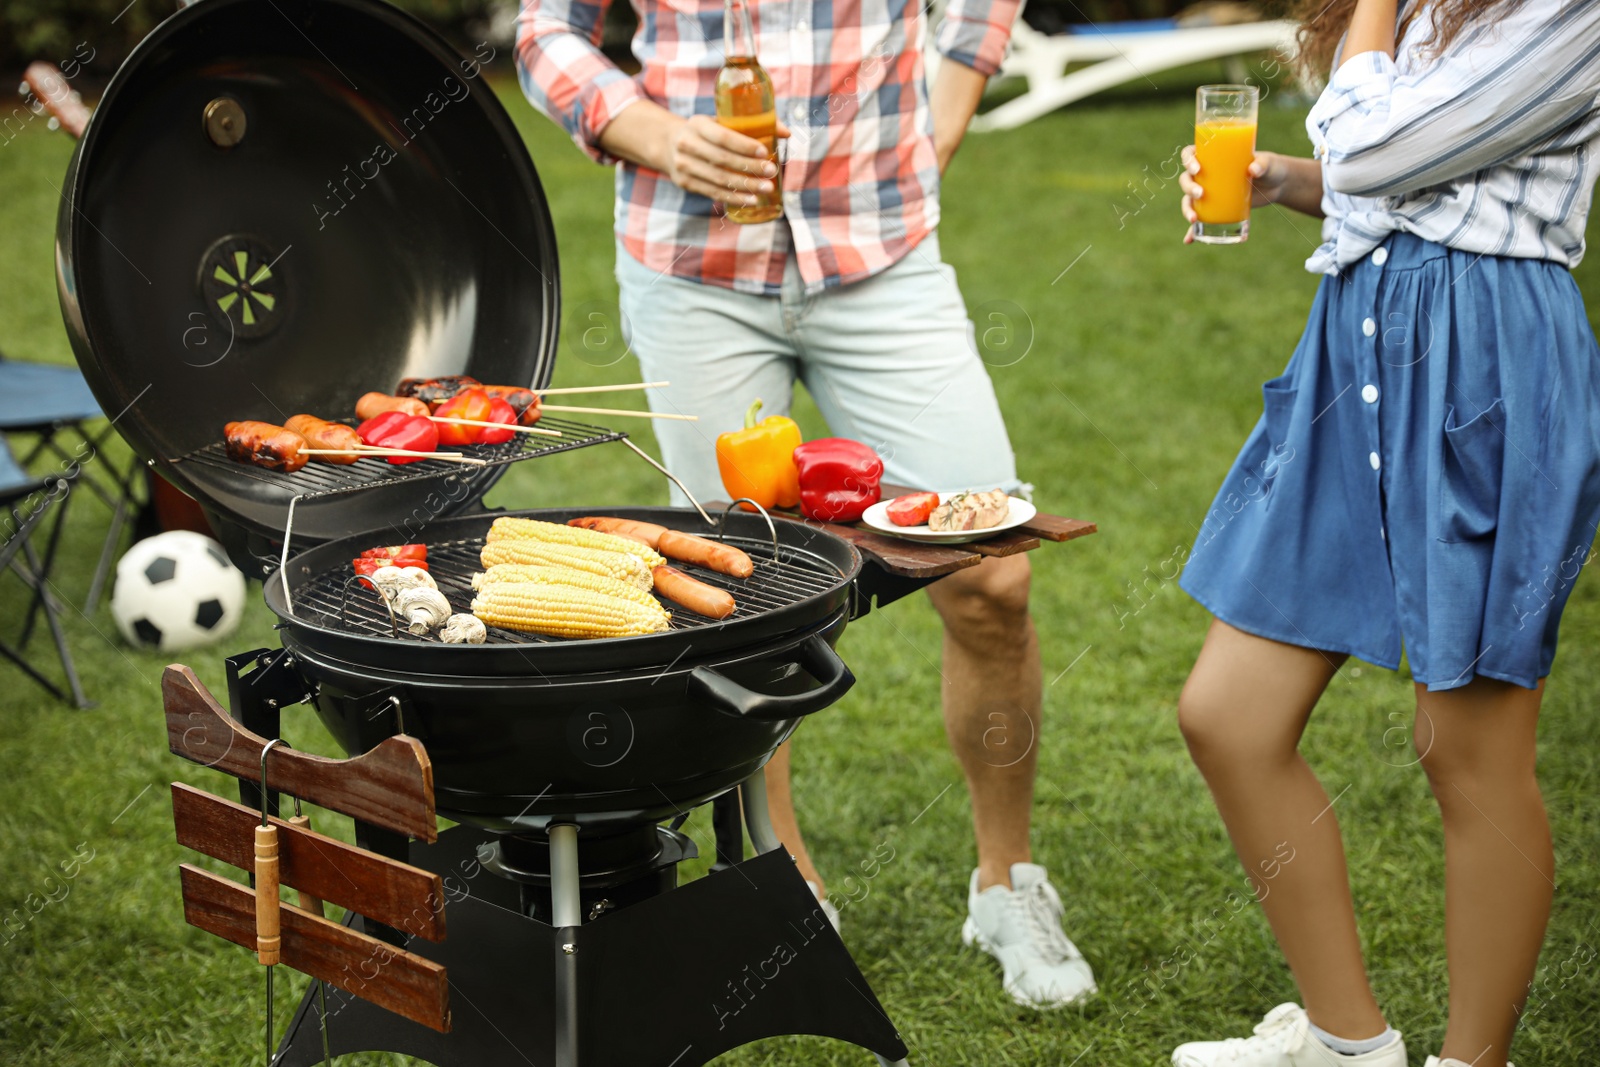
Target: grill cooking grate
[[316, 480], [333, 600]]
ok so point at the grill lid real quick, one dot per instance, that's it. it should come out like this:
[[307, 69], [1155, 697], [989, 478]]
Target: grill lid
[[278, 207]]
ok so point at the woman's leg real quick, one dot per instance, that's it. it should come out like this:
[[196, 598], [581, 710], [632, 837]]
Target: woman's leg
[[1242, 712], [1477, 745]]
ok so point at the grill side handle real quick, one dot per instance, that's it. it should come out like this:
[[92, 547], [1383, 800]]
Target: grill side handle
[[731, 698]]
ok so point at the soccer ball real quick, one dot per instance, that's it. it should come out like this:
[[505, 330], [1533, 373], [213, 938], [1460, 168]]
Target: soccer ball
[[175, 591]]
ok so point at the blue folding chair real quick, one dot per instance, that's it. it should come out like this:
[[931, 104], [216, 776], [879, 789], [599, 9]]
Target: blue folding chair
[[29, 501], [55, 404]]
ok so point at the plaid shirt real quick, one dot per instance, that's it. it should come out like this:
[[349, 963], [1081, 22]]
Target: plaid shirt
[[860, 180]]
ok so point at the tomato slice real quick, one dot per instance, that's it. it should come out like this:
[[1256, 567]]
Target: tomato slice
[[912, 509]]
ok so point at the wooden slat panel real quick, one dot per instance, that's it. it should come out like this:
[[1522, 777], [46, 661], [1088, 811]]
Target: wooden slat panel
[[1057, 528], [390, 786], [373, 970], [1009, 543], [394, 893]]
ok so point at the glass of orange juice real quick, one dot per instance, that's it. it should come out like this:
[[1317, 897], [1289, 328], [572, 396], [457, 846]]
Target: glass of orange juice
[[1225, 145]]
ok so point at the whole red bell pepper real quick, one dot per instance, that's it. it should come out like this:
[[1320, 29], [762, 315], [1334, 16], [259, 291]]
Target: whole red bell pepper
[[470, 404], [499, 411], [838, 479]]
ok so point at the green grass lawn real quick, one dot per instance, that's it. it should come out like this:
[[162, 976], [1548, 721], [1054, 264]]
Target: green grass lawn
[[1129, 367]]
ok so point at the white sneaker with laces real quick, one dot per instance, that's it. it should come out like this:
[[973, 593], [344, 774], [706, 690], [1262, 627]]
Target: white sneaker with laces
[[831, 912], [1434, 1061], [1021, 927], [1284, 1039]]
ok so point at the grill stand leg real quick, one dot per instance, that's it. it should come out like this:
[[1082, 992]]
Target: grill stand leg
[[567, 912], [674, 980]]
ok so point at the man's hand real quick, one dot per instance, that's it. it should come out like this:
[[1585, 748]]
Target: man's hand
[[696, 154]]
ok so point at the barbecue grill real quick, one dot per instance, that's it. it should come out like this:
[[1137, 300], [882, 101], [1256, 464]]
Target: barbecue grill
[[224, 254]]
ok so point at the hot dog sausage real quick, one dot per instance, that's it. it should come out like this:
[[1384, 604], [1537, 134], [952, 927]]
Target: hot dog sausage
[[724, 559], [524, 401], [697, 596], [320, 433], [646, 532], [264, 445], [374, 404]]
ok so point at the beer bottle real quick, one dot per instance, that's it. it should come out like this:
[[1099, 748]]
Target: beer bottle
[[745, 104]]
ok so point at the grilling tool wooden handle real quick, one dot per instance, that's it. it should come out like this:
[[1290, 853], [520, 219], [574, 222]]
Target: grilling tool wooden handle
[[58, 97], [307, 901], [267, 940]]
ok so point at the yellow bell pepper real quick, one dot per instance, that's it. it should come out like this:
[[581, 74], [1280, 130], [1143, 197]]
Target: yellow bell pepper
[[758, 461]]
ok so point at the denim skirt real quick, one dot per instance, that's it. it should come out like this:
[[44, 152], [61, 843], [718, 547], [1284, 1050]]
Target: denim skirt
[[1425, 474]]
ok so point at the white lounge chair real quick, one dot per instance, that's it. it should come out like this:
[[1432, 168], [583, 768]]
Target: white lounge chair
[[1118, 53]]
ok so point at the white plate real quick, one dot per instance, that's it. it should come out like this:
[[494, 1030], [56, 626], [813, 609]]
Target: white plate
[[877, 517]]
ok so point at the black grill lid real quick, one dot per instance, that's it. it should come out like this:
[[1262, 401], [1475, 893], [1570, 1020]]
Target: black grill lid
[[280, 206]]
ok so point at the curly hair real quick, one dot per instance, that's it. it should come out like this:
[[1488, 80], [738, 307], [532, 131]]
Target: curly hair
[[1323, 24]]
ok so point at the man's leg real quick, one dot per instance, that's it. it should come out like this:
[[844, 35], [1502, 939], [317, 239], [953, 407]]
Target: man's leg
[[891, 362], [991, 693]]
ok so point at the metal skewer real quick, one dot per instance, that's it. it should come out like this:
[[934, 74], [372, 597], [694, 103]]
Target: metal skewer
[[513, 427], [379, 453], [622, 411]]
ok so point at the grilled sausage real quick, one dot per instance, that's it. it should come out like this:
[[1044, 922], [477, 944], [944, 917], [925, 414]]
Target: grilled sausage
[[435, 391], [374, 404], [645, 532], [691, 593], [320, 433], [724, 559], [264, 445]]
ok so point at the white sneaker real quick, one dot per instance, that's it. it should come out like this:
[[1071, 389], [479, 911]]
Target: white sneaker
[[1021, 927], [826, 905], [1284, 1039], [1434, 1061]]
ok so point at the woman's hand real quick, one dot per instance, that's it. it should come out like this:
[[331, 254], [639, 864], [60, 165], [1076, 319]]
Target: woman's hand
[[706, 157], [1269, 172]]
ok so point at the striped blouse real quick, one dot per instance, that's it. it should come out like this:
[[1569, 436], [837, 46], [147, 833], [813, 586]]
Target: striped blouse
[[1490, 147]]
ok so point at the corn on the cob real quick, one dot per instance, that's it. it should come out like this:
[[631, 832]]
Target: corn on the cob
[[565, 611], [618, 565], [528, 572], [508, 528]]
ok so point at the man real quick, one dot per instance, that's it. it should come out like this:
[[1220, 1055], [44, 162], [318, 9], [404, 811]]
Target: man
[[847, 292]]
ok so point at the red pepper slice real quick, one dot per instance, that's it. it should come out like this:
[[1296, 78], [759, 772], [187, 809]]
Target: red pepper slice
[[414, 433], [499, 411], [396, 552], [366, 565], [379, 425], [471, 404]]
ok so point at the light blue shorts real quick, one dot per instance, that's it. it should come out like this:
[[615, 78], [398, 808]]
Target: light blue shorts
[[891, 362]]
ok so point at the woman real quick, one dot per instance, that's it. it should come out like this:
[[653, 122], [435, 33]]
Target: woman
[[1426, 472]]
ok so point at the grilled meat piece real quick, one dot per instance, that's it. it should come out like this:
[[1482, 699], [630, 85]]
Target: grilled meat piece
[[970, 511], [264, 445]]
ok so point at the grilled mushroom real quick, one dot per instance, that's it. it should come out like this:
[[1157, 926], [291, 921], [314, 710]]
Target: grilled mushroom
[[422, 609], [463, 629], [392, 581]]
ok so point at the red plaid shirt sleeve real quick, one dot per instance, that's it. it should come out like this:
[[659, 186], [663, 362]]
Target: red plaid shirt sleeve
[[975, 33], [565, 75]]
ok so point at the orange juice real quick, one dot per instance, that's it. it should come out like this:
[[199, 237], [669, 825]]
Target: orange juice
[[1225, 149]]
